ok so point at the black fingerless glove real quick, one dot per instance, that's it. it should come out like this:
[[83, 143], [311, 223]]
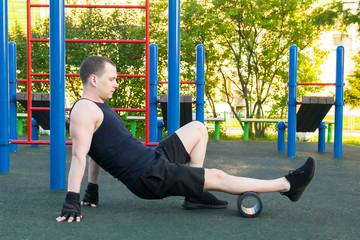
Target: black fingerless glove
[[71, 207], [92, 194]]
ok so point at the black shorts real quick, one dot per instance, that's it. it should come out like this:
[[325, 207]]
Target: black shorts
[[168, 175]]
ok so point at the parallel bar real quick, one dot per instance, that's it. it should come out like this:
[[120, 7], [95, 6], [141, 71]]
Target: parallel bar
[[200, 83], [57, 95], [291, 144], [173, 111], [4, 89], [339, 102], [153, 94], [12, 94], [92, 6]]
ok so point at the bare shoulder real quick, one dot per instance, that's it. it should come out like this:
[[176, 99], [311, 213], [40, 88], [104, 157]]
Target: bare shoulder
[[85, 108], [86, 112]]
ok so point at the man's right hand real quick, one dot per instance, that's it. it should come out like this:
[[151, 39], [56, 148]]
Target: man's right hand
[[91, 197], [71, 209]]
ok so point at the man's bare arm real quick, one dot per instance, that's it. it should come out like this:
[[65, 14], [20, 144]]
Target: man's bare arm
[[84, 120]]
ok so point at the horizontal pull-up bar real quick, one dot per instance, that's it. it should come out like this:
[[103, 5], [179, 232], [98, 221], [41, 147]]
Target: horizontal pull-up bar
[[115, 109], [91, 40], [181, 82], [77, 75], [317, 84], [92, 6]]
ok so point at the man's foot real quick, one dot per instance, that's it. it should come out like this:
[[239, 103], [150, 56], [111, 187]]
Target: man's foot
[[299, 179], [207, 200]]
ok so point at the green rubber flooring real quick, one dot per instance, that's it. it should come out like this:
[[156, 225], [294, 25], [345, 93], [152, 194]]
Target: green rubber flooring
[[328, 209]]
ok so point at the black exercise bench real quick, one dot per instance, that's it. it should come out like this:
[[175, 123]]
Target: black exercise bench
[[38, 100], [311, 113]]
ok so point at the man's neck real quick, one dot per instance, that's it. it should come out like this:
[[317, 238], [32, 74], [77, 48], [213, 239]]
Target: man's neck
[[92, 97]]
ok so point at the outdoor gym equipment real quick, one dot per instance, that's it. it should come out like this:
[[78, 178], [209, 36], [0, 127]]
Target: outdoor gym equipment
[[313, 109]]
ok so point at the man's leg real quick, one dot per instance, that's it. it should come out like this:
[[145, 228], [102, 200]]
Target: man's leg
[[217, 180], [194, 137], [292, 185]]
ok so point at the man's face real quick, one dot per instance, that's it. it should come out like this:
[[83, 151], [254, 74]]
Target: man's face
[[106, 83]]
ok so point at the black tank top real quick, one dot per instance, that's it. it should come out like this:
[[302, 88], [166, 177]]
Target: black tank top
[[115, 149]]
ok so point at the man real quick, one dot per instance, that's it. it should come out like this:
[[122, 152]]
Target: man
[[173, 168]]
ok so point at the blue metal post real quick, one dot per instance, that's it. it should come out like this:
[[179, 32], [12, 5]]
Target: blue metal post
[[173, 107], [291, 144], [34, 132], [153, 94], [12, 95], [4, 89], [57, 94], [321, 140], [339, 102], [160, 126], [281, 137], [200, 82]]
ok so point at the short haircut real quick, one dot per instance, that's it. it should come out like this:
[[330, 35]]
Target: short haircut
[[93, 65]]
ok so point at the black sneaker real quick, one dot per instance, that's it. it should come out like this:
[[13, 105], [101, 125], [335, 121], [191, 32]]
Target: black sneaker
[[299, 179], [207, 200]]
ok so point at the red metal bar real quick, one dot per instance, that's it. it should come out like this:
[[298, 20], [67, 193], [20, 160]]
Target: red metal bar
[[115, 109], [29, 74], [34, 80], [36, 142], [92, 40], [78, 75], [92, 6], [181, 82], [40, 109], [154, 144], [317, 84], [29, 89], [147, 73], [131, 75], [129, 110]]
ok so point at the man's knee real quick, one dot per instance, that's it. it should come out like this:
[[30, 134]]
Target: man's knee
[[214, 179], [200, 128]]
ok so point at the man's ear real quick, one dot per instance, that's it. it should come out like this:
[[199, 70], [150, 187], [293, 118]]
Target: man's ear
[[92, 80]]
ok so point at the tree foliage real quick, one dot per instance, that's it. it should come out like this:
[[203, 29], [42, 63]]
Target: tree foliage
[[195, 28], [344, 14], [255, 36]]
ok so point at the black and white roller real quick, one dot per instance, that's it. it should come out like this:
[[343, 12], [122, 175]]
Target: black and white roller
[[249, 204]]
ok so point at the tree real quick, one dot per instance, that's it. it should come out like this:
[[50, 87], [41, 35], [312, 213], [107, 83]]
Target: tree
[[256, 35], [352, 93], [195, 29], [343, 14]]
